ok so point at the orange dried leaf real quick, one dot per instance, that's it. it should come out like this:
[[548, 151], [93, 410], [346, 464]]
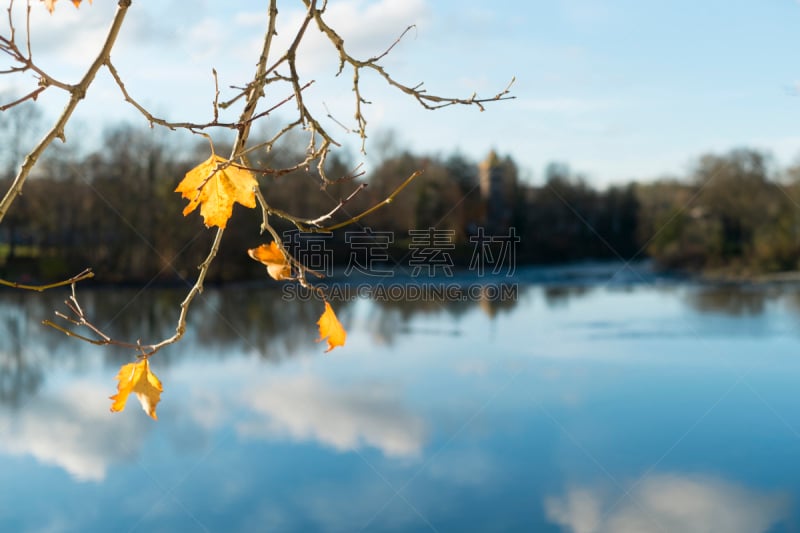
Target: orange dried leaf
[[216, 189], [271, 256], [137, 378], [51, 4], [330, 327]]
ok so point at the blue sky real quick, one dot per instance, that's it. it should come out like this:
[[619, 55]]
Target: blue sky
[[619, 89]]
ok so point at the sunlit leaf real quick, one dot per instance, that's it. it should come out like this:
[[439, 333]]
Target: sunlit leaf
[[216, 189], [331, 328], [51, 4], [137, 378], [271, 256]]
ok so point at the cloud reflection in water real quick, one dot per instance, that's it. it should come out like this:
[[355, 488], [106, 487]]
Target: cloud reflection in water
[[669, 502], [71, 429], [308, 408]]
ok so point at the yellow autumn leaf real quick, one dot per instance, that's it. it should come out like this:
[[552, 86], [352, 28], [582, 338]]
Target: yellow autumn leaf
[[51, 4], [331, 328], [216, 189], [137, 378], [271, 256]]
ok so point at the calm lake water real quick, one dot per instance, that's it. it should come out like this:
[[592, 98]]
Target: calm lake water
[[589, 405]]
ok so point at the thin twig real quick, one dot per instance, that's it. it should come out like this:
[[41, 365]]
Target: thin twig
[[244, 127], [86, 274], [77, 93], [266, 211], [375, 207], [193, 127], [33, 95], [318, 148], [341, 204], [215, 104], [428, 101], [79, 319], [312, 225]]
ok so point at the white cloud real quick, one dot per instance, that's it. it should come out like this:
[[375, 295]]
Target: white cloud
[[579, 510], [75, 36], [72, 430], [307, 408], [669, 502], [367, 28], [212, 34]]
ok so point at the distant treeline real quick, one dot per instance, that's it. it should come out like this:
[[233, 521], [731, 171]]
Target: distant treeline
[[115, 210]]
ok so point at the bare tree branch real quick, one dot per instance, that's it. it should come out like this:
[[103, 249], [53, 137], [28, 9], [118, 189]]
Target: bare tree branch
[[77, 93], [86, 274], [277, 72], [428, 101]]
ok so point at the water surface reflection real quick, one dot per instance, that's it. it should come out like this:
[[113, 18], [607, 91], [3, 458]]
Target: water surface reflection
[[586, 408], [669, 502]]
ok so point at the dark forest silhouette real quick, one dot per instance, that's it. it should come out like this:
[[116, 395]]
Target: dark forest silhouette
[[114, 210]]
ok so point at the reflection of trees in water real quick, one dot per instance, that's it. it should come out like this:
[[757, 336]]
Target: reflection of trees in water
[[260, 320], [731, 300], [743, 300], [257, 320], [225, 322], [20, 373], [407, 309], [391, 316], [387, 321], [560, 295], [233, 321], [793, 300], [127, 315], [493, 306]]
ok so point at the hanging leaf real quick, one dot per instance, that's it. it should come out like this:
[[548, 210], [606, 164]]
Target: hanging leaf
[[137, 378], [216, 189], [331, 328], [51, 4], [271, 256]]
